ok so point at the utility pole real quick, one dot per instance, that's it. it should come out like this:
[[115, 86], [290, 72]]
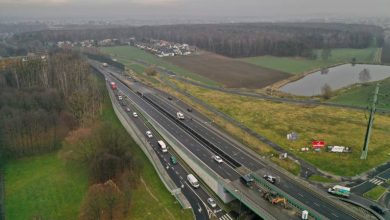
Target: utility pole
[[369, 125]]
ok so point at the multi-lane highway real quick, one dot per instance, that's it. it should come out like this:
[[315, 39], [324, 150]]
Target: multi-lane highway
[[207, 143], [177, 172]]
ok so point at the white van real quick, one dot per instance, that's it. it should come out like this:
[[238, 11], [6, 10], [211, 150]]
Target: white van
[[193, 181], [162, 146]]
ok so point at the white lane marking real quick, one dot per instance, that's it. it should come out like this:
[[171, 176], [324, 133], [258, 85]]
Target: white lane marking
[[300, 195], [316, 204], [334, 215]]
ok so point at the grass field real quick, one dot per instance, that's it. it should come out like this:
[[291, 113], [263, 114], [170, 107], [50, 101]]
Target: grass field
[[297, 65], [43, 186], [362, 95], [128, 55], [375, 193], [334, 125], [321, 179], [150, 200], [229, 72]]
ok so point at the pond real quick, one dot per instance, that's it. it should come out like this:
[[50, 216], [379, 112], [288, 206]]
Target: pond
[[336, 77]]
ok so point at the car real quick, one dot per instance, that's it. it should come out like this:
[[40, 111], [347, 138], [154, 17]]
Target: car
[[217, 158], [128, 109], [135, 114], [120, 97], [189, 109], [173, 160], [247, 180], [149, 134], [270, 179], [377, 209], [170, 98], [212, 202]]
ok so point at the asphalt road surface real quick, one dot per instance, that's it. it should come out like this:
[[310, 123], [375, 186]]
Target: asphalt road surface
[[197, 197], [225, 170]]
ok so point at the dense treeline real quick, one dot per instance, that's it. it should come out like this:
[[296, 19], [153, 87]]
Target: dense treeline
[[42, 99], [235, 40], [56, 102]]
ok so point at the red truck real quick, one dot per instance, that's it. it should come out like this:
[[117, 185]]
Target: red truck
[[113, 85]]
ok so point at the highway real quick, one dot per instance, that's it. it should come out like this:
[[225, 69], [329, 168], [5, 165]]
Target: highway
[[197, 197], [250, 162], [233, 153]]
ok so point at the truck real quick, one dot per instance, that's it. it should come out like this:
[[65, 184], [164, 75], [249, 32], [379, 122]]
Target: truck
[[113, 85], [162, 146], [193, 181], [340, 191], [180, 115]]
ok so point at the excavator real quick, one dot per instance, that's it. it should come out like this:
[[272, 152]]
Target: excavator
[[278, 200], [273, 198]]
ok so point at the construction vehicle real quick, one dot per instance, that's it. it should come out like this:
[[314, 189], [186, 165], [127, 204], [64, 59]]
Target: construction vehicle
[[273, 198], [281, 200]]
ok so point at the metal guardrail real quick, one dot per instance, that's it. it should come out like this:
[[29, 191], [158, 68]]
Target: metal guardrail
[[289, 198], [263, 213]]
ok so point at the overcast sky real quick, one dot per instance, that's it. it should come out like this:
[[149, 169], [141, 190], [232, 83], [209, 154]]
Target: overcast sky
[[101, 9]]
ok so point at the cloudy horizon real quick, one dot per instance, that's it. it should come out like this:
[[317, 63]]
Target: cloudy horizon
[[181, 9]]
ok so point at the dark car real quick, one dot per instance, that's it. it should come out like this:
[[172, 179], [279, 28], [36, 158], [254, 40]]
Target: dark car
[[170, 98], [173, 160], [189, 109], [377, 209], [247, 180]]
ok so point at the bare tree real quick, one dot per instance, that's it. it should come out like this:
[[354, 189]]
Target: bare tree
[[326, 91], [364, 75]]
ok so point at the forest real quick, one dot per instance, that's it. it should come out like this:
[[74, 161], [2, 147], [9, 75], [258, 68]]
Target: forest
[[54, 104], [233, 40]]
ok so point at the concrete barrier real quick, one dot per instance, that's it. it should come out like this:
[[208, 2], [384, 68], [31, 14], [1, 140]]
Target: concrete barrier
[[148, 150]]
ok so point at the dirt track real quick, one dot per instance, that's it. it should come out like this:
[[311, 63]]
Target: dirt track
[[232, 73]]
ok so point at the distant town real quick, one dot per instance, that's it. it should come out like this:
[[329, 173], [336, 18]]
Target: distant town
[[160, 48]]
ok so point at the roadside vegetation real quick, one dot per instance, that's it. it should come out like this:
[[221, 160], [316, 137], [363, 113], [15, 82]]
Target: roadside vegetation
[[139, 60], [321, 179], [375, 193], [334, 125], [297, 65]]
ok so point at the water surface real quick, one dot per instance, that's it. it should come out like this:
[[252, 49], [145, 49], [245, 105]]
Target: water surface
[[337, 78]]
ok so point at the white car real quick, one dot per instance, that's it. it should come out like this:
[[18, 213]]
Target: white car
[[135, 114], [149, 134], [217, 158], [120, 97], [212, 202], [270, 178]]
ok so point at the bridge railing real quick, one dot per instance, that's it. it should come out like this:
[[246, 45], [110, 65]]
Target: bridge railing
[[299, 205]]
